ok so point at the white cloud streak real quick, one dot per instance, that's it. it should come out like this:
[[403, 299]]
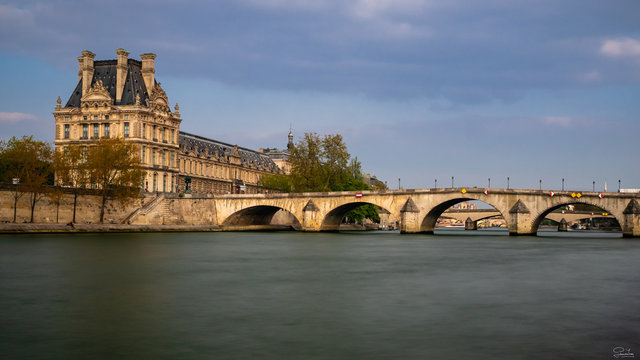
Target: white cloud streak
[[14, 117], [625, 47]]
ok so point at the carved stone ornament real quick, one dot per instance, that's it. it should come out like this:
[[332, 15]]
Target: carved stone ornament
[[97, 93], [158, 99]]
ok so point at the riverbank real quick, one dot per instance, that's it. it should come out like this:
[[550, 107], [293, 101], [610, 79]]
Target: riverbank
[[60, 228]]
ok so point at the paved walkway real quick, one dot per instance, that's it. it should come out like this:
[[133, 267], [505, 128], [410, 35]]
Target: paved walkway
[[48, 228]]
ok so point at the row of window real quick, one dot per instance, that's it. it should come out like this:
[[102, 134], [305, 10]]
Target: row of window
[[106, 130], [199, 168], [161, 131], [95, 118], [159, 157]]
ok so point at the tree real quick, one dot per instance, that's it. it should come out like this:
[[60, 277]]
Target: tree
[[323, 164], [114, 167], [26, 163], [71, 171]]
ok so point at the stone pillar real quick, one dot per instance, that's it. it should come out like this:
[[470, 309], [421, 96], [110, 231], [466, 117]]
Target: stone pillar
[[409, 217], [310, 221], [563, 226], [470, 224], [121, 72], [87, 70], [148, 71], [520, 222], [631, 226]]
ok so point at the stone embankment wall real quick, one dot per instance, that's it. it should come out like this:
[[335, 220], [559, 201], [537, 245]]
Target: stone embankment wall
[[177, 211], [87, 210]]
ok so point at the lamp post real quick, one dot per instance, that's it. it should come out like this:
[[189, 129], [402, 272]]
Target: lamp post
[[594, 186], [452, 181], [562, 184], [436, 182], [507, 182], [489, 183], [398, 183], [618, 185], [540, 184]]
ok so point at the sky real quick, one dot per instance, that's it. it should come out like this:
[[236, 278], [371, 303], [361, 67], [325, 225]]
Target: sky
[[420, 89]]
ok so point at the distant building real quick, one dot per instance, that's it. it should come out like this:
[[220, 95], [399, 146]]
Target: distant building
[[280, 156], [121, 98], [374, 182], [465, 205]]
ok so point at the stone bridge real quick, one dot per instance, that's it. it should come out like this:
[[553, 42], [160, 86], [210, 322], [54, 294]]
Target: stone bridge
[[483, 214], [415, 210]]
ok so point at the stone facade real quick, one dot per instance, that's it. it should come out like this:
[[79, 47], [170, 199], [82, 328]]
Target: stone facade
[[121, 98]]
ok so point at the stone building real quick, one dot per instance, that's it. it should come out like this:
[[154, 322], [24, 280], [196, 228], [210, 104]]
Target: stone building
[[121, 98]]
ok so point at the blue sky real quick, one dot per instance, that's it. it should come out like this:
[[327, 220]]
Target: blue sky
[[420, 89]]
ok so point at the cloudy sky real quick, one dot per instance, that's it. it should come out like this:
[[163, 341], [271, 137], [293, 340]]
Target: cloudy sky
[[420, 89]]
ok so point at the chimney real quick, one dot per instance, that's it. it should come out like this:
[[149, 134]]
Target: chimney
[[121, 73], [87, 70], [80, 63], [148, 71]]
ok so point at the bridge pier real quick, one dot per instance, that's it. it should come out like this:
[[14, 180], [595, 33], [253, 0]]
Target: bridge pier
[[563, 226], [409, 218], [311, 221], [631, 226], [470, 224], [521, 220]]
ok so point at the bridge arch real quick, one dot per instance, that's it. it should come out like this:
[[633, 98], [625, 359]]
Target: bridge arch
[[428, 224], [333, 218], [262, 215], [537, 220]]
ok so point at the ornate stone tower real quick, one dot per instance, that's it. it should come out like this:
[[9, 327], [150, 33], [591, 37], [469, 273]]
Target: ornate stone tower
[[121, 98]]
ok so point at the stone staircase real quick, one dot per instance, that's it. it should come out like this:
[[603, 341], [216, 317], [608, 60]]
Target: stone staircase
[[141, 215]]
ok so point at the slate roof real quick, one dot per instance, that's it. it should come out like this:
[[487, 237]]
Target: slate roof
[[214, 148], [105, 70]]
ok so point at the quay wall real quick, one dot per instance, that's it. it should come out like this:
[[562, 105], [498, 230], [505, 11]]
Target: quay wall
[[87, 210]]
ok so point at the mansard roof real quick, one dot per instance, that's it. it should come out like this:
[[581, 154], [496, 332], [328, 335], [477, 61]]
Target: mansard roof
[[214, 148], [105, 70]]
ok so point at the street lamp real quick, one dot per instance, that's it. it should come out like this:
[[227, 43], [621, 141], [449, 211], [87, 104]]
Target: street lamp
[[507, 182], [618, 185], [452, 181], [489, 183], [398, 183], [436, 181], [594, 186], [540, 184], [562, 184]]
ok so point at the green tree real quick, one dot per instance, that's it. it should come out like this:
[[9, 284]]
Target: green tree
[[71, 171], [323, 163], [114, 168], [26, 163]]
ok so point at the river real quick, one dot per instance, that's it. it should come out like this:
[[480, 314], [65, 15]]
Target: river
[[288, 295]]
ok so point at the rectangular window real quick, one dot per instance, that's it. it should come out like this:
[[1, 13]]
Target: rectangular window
[[67, 118], [126, 117], [144, 131], [171, 155], [153, 135], [85, 118], [95, 117], [153, 156], [126, 129], [172, 136], [162, 156], [84, 154], [106, 130], [106, 117], [144, 153], [96, 130], [66, 131], [85, 131], [163, 134]]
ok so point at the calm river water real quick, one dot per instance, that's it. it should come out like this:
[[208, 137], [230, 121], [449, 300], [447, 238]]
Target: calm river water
[[373, 295]]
